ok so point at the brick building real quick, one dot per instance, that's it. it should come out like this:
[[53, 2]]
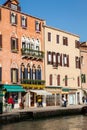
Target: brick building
[[21, 53]]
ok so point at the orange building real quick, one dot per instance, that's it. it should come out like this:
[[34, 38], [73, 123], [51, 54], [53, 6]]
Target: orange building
[[21, 53]]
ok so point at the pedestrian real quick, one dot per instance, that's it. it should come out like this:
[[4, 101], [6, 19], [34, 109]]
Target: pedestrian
[[64, 101], [11, 101]]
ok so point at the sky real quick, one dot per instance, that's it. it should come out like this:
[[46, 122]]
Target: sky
[[67, 15]]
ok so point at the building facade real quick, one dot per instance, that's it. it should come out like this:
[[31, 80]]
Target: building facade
[[21, 53], [62, 66], [83, 53]]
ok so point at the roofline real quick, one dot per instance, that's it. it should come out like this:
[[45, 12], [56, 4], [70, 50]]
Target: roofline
[[57, 29], [21, 12], [8, 1]]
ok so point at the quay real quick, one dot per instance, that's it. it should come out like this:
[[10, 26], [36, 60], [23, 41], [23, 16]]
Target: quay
[[18, 115]]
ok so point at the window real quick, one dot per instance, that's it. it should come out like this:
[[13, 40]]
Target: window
[[78, 81], [49, 36], [28, 70], [22, 71], [23, 21], [0, 74], [65, 41], [66, 80], [13, 18], [77, 44], [54, 59], [82, 60], [14, 75], [49, 58], [83, 78], [50, 79], [77, 61], [38, 75], [33, 72], [14, 7], [37, 26], [57, 38], [0, 14], [58, 80], [0, 41], [58, 58], [14, 44], [66, 60]]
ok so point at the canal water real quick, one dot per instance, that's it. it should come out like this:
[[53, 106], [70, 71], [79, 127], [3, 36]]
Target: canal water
[[63, 123]]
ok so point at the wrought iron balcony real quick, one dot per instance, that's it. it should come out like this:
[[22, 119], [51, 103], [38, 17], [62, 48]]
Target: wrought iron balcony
[[37, 82], [32, 54], [33, 83]]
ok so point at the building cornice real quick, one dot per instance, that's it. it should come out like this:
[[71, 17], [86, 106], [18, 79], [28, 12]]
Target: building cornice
[[21, 13], [57, 29]]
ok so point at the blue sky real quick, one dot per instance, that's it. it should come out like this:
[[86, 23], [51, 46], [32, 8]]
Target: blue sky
[[68, 15]]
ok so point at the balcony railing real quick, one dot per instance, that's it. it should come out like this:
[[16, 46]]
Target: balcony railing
[[36, 82], [34, 54]]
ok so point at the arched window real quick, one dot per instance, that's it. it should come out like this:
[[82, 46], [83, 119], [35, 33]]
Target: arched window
[[29, 71], [33, 72], [22, 71], [38, 72], [14, 73]]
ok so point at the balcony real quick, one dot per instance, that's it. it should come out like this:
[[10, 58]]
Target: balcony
[[32, 54], [33, 83]]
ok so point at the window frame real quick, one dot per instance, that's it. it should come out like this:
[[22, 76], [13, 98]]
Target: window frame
[[14, 44]]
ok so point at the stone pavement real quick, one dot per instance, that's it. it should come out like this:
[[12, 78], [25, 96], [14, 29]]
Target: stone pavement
[[47, 108]]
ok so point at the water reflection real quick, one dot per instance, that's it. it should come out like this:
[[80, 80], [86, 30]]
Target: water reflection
[[64, 123]]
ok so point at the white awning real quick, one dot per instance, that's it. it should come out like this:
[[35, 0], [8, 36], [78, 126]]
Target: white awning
[[41, 92]]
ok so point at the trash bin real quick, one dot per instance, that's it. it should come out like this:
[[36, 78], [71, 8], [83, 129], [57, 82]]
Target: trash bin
[[1, 107]]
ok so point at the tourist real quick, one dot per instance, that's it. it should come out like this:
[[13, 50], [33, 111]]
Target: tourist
[[11, 101]]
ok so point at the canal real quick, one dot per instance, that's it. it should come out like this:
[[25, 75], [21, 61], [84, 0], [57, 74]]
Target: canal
[[63, 123]]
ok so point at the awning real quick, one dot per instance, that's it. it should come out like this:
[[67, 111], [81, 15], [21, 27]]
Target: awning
[[65, 89], [41, 92], [13, 88]]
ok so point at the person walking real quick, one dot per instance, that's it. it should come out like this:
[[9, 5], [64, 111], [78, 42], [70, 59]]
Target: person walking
[[11, 101], [64, 101]]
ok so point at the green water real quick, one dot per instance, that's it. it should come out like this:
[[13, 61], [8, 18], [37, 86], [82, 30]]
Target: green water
[[64, 123]]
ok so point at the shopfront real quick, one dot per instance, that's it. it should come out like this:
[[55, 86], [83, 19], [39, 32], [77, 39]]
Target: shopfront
[[12, 90], [55, 98], [34, 95]]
